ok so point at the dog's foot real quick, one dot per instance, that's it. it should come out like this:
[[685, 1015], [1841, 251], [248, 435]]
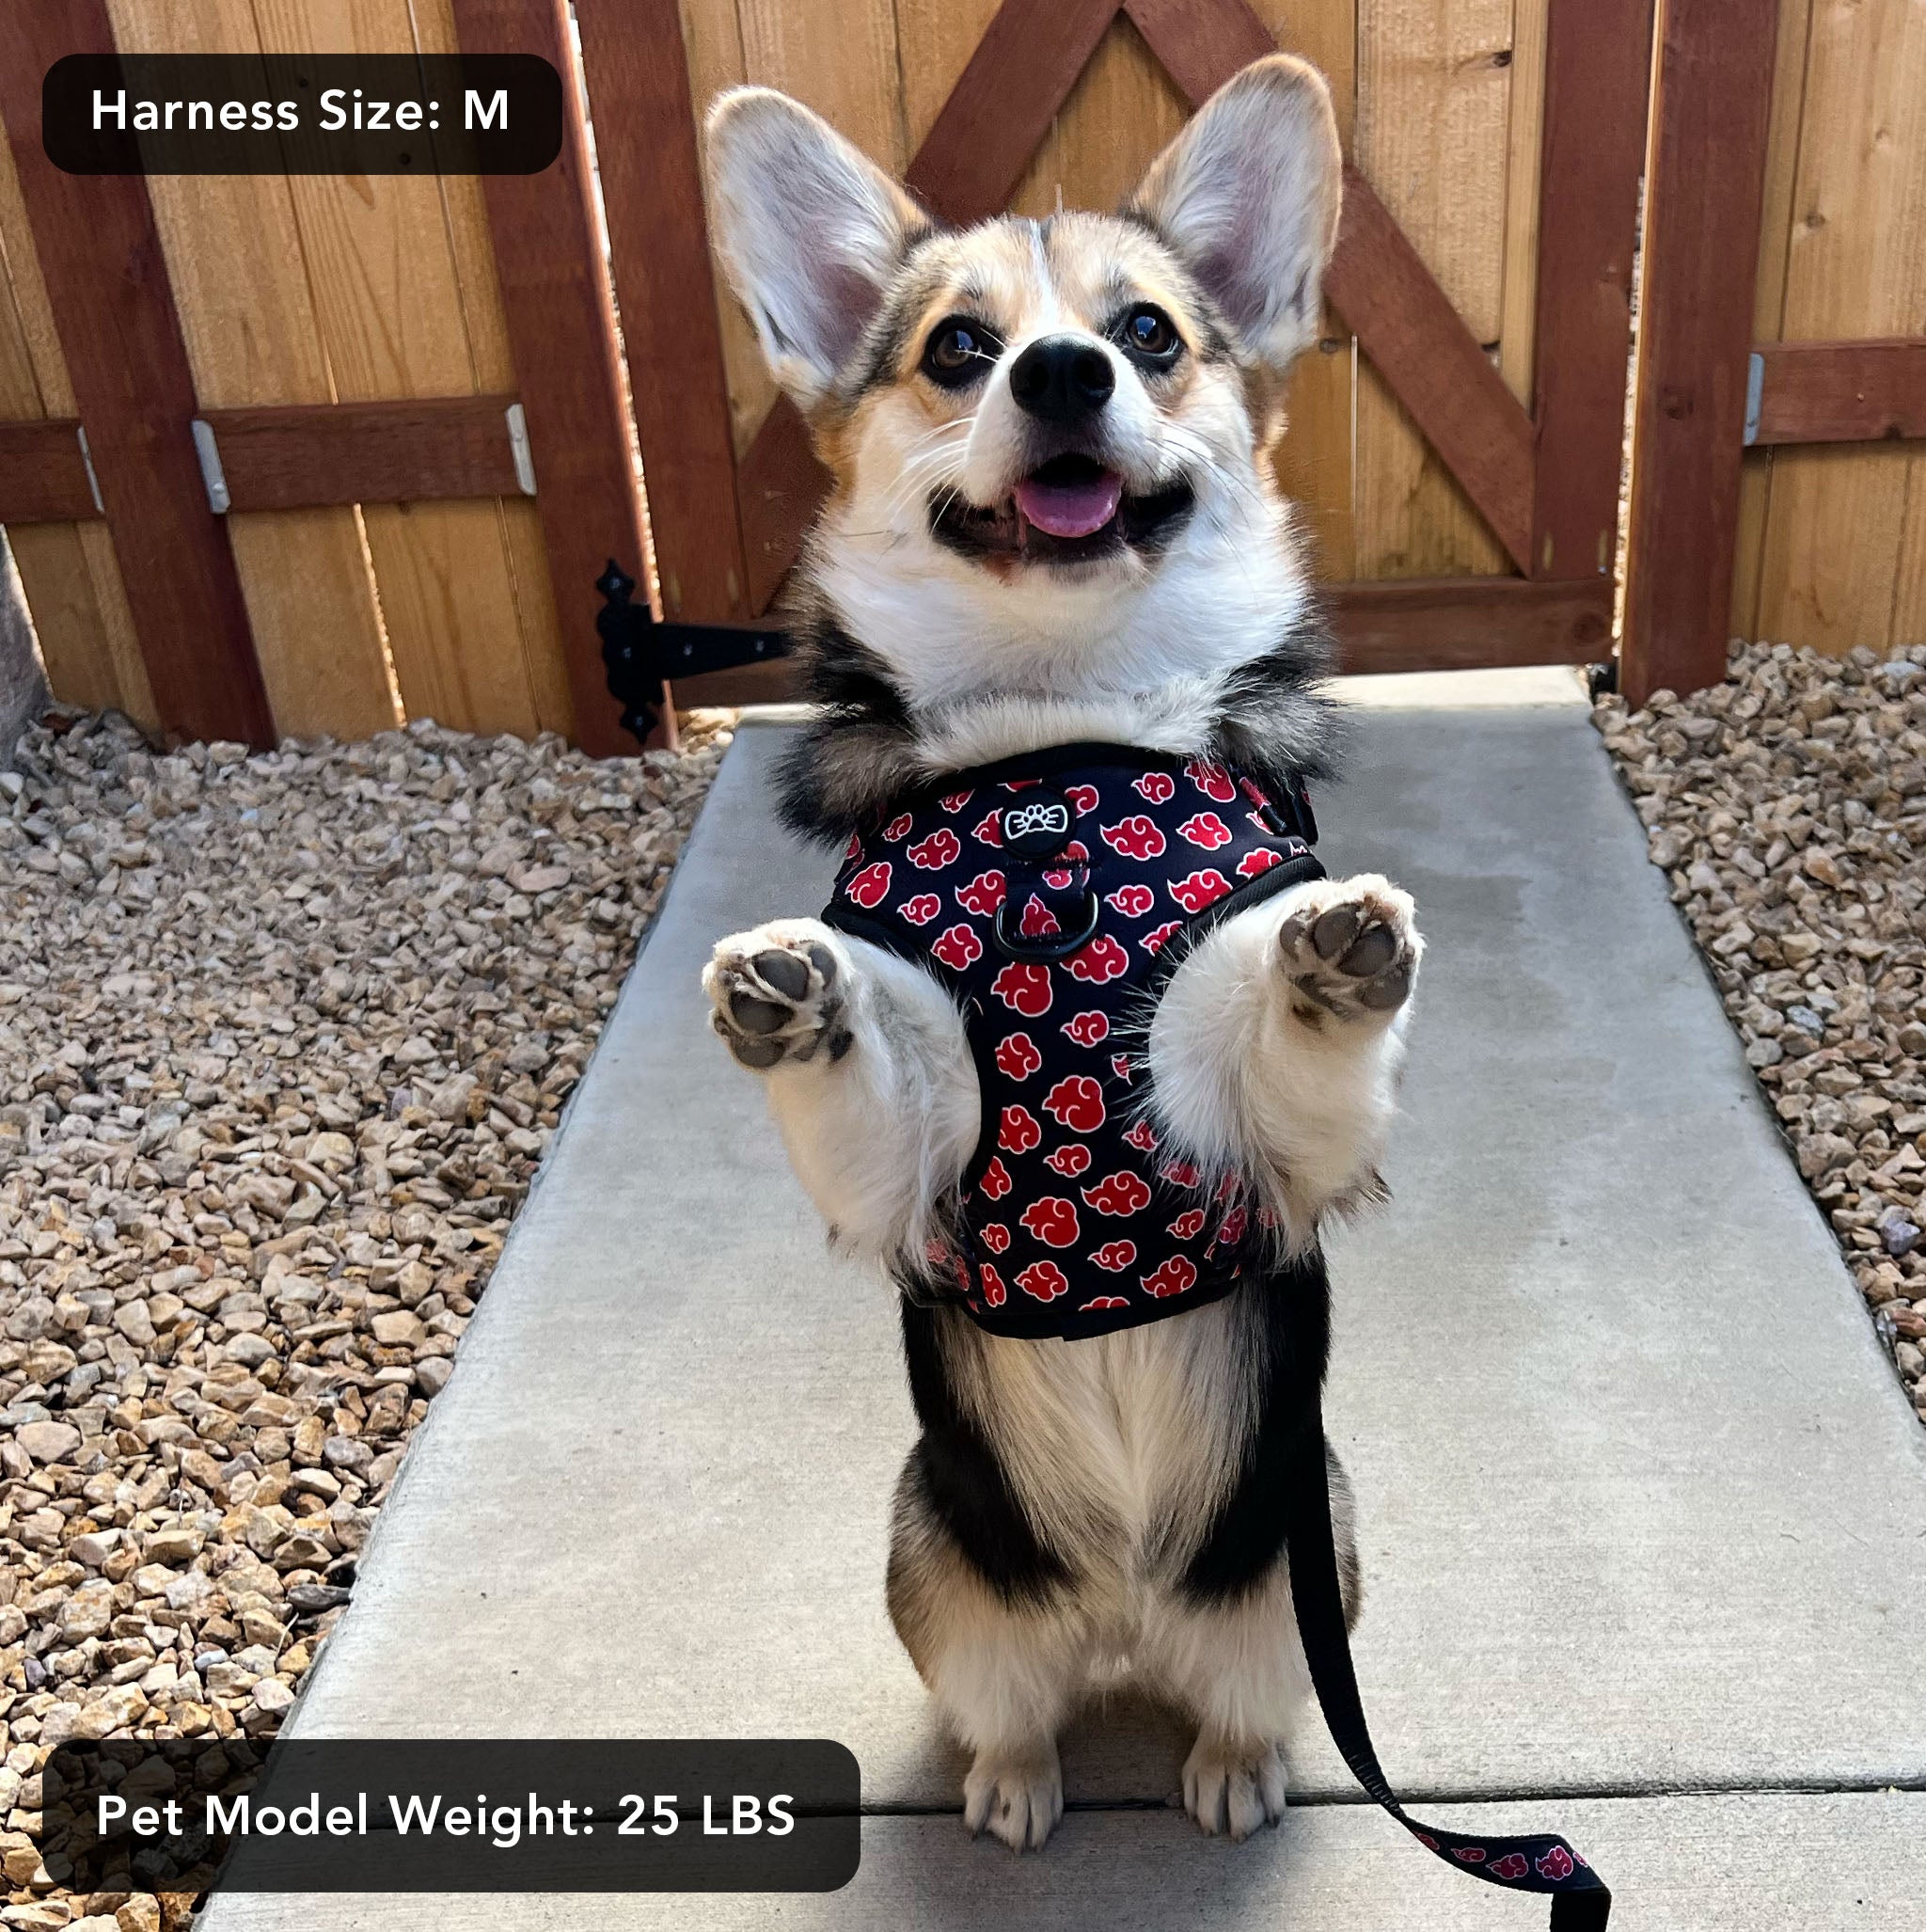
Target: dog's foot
[[1231, 1788], [778, 993], [1348, 950], [1015, 1796]]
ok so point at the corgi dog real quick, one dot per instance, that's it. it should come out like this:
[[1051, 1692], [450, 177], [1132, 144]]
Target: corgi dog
[[1054, 523]]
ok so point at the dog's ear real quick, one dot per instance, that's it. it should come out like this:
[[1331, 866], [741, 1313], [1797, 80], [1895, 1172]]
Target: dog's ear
[[1248, 195], [810, 231]]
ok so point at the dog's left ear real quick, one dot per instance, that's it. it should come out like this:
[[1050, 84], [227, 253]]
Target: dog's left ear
[[1248, 195], [810, 229]]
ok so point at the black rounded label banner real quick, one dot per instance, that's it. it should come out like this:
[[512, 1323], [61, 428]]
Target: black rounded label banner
[[467, 1815], [301, 114]]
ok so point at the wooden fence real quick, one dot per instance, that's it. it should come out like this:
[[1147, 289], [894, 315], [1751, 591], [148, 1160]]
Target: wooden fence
[[354, 345], [365, 352], [1784, 332]]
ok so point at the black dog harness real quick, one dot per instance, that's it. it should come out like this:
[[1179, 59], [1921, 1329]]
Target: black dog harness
[[1053, 894]]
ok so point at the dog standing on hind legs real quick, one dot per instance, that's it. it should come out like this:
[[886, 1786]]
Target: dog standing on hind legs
[[1056, 618]]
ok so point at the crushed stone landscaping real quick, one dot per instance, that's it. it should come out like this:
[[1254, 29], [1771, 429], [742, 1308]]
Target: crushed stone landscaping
[[1788, 808], [282, 1039]]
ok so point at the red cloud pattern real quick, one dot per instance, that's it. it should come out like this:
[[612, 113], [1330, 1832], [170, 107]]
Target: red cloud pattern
[[1075, 1102], [959, 947], [1053, 1220], [941, 847], [1205, 829], [871, 886], [1045, 1280], [1024, 989], [983, 894], [1016, 1056], [1060, 1213], [1122, 1193]]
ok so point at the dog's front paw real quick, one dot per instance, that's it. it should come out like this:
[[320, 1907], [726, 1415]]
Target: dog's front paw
[[1348, 949], [1230, 1789], [1015, 1796], [779, 993]]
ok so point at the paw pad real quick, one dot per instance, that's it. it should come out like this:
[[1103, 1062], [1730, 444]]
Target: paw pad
[[776, 998], [1350, 948]]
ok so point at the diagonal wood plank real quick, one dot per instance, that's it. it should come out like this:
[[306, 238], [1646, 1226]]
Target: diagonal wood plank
[[1380, 284], [1004, 102]]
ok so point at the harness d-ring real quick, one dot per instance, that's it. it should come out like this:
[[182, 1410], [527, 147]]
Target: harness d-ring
[[1045, 945]]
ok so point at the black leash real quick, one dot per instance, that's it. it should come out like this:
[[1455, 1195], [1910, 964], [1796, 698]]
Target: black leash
[[1581, 1901]]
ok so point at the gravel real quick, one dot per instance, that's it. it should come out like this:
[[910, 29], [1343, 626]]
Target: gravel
[[1788, 808], [282, 1039]]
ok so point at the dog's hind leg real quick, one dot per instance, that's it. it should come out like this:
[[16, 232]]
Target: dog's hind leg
[[987, 1603], [1004, 1667], [1229, 1653], [868, 1075]]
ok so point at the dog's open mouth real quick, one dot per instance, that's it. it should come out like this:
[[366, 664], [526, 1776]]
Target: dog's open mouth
[[1070, 509]]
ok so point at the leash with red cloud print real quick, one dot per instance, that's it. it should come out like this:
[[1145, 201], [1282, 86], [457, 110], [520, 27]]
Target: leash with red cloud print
[[1581, 1902]]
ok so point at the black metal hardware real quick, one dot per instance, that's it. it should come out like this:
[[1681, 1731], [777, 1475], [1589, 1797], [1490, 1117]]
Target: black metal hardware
[[1044, 945], [641, 654]]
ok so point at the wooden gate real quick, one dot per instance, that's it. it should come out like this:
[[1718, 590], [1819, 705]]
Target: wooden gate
[[732, 482]]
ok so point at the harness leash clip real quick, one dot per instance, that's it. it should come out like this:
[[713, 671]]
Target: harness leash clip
[[1045, 945]]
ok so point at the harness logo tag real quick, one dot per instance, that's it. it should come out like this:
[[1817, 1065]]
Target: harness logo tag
[[1026, 822]]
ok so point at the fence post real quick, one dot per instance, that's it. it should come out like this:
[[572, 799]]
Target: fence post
[[1705, 184], [106, 278], [1598, 91], [561, 334]]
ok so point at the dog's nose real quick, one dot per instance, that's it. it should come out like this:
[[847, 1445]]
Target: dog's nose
[[1062, 379]]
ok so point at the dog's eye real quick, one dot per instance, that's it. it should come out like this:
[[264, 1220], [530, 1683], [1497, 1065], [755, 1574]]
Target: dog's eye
[[959, 352], [1150, 334]]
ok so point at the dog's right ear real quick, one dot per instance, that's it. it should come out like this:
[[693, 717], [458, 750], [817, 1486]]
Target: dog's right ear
[[810, 231]]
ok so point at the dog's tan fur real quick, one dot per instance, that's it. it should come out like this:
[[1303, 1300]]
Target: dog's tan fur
[[1275, 1048]]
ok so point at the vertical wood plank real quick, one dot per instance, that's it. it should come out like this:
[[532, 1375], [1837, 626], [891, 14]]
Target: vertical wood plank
[[1433, 86], [484, 313], [241, 287], [100, 258], [559, 325], [665, 291], [713, 36], [1518, 317], [1833, 554], [1596, 80], [1705, 184], [1769, 294], [1313, 457], [390, 308], [73, 593]]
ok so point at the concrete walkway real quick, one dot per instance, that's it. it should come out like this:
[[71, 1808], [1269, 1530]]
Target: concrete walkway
[[1643, 1511]]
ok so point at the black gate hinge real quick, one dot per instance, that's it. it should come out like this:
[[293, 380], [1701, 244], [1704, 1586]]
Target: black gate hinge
[[641, 654]]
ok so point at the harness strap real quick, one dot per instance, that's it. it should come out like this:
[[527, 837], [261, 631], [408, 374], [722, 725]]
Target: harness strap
[[1581, 1901]]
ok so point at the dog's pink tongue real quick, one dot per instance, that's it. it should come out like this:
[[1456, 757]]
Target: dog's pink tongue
[[1070, 510]]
